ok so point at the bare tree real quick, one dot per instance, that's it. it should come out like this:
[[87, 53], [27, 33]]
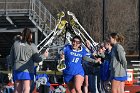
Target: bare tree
[[120, 16]]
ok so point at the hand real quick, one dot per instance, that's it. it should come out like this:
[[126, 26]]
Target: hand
[[98, 60], [62, 57], [94, 54], [88, 44]]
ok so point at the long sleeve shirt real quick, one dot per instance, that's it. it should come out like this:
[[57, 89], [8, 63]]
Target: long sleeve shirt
[[23, 56], [118, 61]]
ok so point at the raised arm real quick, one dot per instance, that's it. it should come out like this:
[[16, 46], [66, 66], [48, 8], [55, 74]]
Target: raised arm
[[88, 59]]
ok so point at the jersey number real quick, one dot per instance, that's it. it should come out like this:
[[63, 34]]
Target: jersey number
[[75, 60]]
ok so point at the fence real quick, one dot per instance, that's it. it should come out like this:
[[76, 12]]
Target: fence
[[28, 8]]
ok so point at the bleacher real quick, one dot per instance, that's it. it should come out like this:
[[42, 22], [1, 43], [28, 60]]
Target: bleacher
[[15, 15]]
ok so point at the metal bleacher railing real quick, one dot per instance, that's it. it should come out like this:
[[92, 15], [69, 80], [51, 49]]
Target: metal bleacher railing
[[36, 11], [42, 16], [33, 10]]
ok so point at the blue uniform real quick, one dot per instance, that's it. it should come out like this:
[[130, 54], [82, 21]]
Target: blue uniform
[[22, 58], [73, 59], [105, 66], [18, 75]]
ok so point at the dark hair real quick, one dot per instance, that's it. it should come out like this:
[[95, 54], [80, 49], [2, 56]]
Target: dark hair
[[26, 35], [118, 37], [77, 37], [101, 45]]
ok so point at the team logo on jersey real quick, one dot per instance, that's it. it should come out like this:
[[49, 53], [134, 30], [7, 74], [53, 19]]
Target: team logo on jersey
[[76, 54]]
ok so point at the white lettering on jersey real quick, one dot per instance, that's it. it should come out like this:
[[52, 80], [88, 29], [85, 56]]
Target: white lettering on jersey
[[75, 54]]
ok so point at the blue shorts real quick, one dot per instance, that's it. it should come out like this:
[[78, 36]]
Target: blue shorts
[[19, 75], [120, 78], [68, 78]]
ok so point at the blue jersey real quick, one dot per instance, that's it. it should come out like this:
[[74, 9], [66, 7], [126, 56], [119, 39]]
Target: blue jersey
[[73, 59]]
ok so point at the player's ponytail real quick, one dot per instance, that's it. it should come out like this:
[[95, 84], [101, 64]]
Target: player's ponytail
[[118, 37]]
